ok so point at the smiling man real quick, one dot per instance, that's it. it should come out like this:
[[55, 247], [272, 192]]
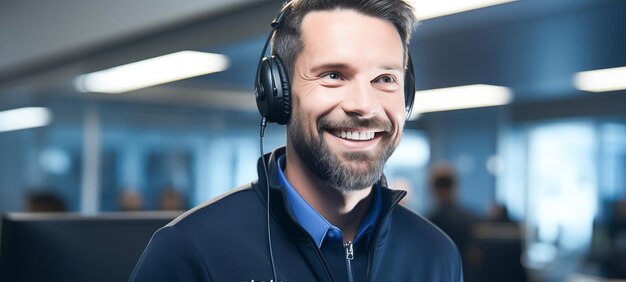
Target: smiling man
[[338, 78], [348, 112]]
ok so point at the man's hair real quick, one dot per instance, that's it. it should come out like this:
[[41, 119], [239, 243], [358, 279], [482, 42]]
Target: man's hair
[[287, 41]]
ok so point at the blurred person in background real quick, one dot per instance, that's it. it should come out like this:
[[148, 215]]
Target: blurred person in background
[[45, 201], [498, 248], [130, 200], [607, 252], [616, 265], [451, 217], [171, 200]]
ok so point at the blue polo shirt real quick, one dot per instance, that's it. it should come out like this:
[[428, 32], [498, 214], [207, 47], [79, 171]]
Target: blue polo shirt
[[315, 224]]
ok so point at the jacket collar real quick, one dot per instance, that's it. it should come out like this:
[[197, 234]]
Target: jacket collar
[[280, 204]]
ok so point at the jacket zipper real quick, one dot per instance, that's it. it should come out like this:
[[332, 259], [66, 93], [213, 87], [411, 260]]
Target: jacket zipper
[[373, 244], [350, 251], [349, 258]]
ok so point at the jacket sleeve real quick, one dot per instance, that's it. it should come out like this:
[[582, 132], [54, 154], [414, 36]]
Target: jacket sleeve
[[170, 256]]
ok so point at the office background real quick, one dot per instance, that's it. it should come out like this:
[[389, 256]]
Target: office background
[[553, 154]]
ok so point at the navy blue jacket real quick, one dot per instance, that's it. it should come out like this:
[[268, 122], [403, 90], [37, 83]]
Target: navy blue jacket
[[226, 240]]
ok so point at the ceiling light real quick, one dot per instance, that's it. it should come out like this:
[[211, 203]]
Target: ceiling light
[[460, 97], [23, 118], [150, 72], [601, 80], [427, 9]]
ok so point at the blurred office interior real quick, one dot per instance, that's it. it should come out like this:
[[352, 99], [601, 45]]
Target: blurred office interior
[[552, 150]]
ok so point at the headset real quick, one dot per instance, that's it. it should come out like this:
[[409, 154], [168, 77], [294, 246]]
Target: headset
[[272, 91]]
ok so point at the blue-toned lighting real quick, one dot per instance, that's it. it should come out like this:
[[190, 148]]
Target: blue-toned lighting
[[150, 72], [23, 118], [427, 9], [460, 97], [601, 80]]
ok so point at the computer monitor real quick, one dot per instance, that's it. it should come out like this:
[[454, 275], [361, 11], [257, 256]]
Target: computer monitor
[[71, 247]]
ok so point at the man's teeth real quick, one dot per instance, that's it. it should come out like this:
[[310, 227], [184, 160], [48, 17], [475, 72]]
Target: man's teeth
[[352, 135]]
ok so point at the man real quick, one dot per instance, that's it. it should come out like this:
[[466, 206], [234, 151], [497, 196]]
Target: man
[[331, 216]]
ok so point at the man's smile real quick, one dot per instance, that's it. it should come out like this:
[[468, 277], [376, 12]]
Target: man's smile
[[357, 135]]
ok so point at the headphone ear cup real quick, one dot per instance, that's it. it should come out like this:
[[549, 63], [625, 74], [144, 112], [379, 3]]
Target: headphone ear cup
[[273, 98], [264, 88], [409, 88], [283, 103]]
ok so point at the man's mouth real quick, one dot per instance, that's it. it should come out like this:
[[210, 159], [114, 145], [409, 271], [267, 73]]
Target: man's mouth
[[354, 135]]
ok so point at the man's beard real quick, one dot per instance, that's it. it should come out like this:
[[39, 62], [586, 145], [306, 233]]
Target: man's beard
[[327, 165]]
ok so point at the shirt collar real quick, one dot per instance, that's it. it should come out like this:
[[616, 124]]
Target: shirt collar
[[314, 223]]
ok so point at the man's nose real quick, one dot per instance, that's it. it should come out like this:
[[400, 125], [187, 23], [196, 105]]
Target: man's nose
[[361, 100]]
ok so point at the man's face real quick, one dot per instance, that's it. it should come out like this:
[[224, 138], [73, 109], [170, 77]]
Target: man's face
[[347, 97]]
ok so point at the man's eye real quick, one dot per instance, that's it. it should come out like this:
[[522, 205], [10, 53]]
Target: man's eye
[[333, 75], [386, 79]]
